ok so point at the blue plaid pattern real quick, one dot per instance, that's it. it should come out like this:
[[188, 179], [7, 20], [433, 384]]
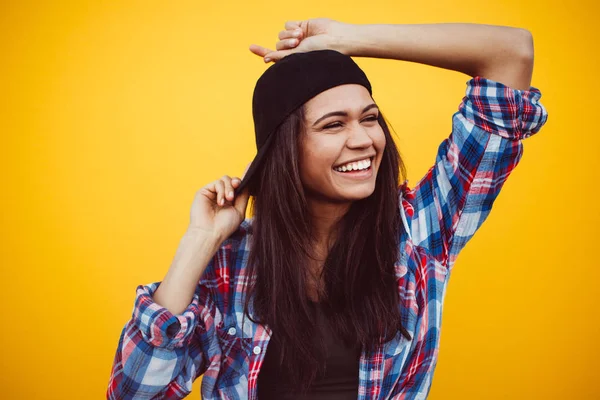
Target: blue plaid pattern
[[159, 354]]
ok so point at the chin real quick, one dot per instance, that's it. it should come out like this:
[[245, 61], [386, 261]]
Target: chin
[[359, 193]]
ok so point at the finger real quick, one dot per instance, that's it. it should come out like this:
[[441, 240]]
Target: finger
[[236, 182], [287, 34], [278, 55], [220, 188], [259, 50], [292, 24], [241, 201], [287, 44], [209, 191], [228, 187]]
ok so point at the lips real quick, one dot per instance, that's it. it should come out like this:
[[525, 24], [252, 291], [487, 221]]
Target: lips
[[362, 174], [371, 158]]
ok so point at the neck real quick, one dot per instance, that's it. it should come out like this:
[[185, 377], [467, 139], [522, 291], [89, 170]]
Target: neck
[[324, 218]]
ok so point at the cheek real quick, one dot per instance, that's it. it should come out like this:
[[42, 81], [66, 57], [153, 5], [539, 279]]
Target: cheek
[[322, 149], [312, 165], [379, 140], [317, 159]]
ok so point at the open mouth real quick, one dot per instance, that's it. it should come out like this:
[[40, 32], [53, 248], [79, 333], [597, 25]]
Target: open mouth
[[363, 171], [356, 168]]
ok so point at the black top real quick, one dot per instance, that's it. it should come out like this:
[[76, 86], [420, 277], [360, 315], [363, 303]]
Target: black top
[[338, 382]]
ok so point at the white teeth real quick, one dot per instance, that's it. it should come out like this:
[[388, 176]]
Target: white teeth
[[355, 166]]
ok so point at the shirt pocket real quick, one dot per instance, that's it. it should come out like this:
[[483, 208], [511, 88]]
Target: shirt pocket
[[235, 352]]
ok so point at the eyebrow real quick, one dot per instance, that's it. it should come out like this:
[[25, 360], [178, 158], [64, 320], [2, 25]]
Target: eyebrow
[[343, 113]]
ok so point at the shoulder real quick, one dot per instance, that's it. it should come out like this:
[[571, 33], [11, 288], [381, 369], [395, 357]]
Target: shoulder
[[240, 239], [231, 258], [244, 229]]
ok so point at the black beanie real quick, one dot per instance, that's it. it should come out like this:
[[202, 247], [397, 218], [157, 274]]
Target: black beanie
[[289, 83]]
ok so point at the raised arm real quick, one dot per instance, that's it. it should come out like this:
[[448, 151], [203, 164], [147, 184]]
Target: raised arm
[[500, 53]]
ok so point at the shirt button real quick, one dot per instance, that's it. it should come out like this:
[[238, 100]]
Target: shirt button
[[231, 331], [256, 350]]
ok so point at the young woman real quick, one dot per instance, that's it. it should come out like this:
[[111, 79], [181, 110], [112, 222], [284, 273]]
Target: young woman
[[334, 289]]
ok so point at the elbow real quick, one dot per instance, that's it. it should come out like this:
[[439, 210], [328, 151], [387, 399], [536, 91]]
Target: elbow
[[515, 48], [523, 66], [524, 45], [514, 68]]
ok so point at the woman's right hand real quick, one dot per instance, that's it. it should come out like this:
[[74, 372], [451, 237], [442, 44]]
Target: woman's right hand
[[217, 209], [302, 36]]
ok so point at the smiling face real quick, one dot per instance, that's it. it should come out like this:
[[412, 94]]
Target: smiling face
[[342, 146]]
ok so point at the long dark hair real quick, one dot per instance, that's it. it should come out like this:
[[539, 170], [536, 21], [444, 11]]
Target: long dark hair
[[361, 291]]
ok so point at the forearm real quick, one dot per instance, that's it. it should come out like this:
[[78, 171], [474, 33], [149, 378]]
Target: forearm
[[191, 259], [474, 49]]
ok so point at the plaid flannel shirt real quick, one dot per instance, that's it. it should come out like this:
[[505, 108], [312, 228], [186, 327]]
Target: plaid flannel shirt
[[440, 214]]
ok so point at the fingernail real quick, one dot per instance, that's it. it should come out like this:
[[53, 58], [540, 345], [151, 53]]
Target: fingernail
[[296, 33], [230, 194], [267, 59], [221, 202]]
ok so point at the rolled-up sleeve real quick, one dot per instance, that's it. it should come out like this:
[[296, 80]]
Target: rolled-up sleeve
[[496, 108], [159, 326], [449, 204]]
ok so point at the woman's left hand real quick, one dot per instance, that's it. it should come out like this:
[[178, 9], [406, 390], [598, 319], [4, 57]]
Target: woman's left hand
[[303, 36]]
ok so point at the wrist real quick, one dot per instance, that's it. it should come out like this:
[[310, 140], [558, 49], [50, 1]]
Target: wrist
[[193, 255], [353, 40], [203, 235], [363, 40], [200, 238], [343, 36]]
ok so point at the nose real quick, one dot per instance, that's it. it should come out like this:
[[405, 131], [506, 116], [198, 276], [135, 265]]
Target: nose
[[359, 137]]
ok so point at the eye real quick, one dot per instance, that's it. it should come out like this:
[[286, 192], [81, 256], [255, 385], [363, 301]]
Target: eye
[[337, 124], [334, 125]]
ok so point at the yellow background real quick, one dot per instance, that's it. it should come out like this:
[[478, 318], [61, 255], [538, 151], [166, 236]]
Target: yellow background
[[113, 114]]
